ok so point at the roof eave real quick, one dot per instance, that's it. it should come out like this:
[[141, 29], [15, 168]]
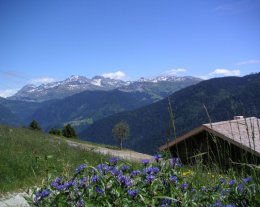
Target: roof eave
[[183, 137]]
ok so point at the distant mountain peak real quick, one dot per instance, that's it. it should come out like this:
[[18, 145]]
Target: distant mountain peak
[[76, 83], [74, 78]]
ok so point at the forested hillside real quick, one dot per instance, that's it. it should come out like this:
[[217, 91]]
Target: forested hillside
[[149, 126]]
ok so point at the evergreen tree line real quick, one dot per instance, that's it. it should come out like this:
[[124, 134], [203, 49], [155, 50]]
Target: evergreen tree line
[[67, 131]]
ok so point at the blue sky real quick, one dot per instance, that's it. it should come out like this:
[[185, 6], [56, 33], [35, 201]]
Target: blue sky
[[48, 40]]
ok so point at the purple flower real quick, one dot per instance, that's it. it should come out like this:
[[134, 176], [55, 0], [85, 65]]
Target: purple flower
[[132, 193], [124, 167], [240, 188], [157, 157], [81, 168], [135, 173], [69, 184], [41, 194], [151, 170], [58, 180], [156, 170], [125, 181], [99, 190], [58, 185], [204, 189], [114, 160], [166, 201], [95, 178], [222, 180], [80, 203], [174, 179], [184, 186], [175, 162], [247, 180], [116, 172], [83, 182], [103, 168], [150, 178], [232, 182], [145, 162]]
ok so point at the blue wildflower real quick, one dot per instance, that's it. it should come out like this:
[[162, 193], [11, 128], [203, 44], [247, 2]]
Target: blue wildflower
[[151, 170], [222, 180], [232, 182], [156, 170], [175, 162], [133, 193], [95, 178], [204, 189], [99, 190], [247, 180], [184, 186], [150, 178], [41, 194], [103, 168], [135, 173], [123, 180], [193, 190], [116, 172], [240, 188], [114, 160], [145, 162], [83, 182], [80, 203], [157, 157], [69, 184], [124, 167], [166, 201], [57, 184], [174, 179], [80, 168]]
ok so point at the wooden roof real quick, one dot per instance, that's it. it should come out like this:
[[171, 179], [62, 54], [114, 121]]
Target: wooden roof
[[244, 133]]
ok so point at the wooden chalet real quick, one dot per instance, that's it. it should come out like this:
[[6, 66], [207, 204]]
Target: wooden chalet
[[225, 142]]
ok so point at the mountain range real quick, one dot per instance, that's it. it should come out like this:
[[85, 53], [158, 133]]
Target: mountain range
[[223, 98], [157, 87], [81, 101], [144, 104]]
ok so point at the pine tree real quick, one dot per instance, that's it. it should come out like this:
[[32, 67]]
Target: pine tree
[[121, 132], [34, 125], [69, 131]]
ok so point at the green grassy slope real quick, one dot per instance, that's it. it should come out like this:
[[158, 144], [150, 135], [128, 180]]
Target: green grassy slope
[[26, 156]]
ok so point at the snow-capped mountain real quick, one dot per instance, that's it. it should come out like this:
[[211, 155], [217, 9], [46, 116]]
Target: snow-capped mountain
[[74, 84], [167, 78]]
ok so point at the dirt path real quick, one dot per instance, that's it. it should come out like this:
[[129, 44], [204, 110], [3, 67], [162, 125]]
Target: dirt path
[[124, 154]]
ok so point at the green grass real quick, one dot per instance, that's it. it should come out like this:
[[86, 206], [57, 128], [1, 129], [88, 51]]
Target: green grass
[[27, 157]]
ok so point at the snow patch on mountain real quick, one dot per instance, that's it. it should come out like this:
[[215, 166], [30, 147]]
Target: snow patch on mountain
[[75, 84]]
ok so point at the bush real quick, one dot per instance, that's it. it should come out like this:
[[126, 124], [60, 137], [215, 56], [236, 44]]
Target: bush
[[34, 125], [57, 132]]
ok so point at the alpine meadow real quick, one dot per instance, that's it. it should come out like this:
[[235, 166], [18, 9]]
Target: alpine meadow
[[134, 103]]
